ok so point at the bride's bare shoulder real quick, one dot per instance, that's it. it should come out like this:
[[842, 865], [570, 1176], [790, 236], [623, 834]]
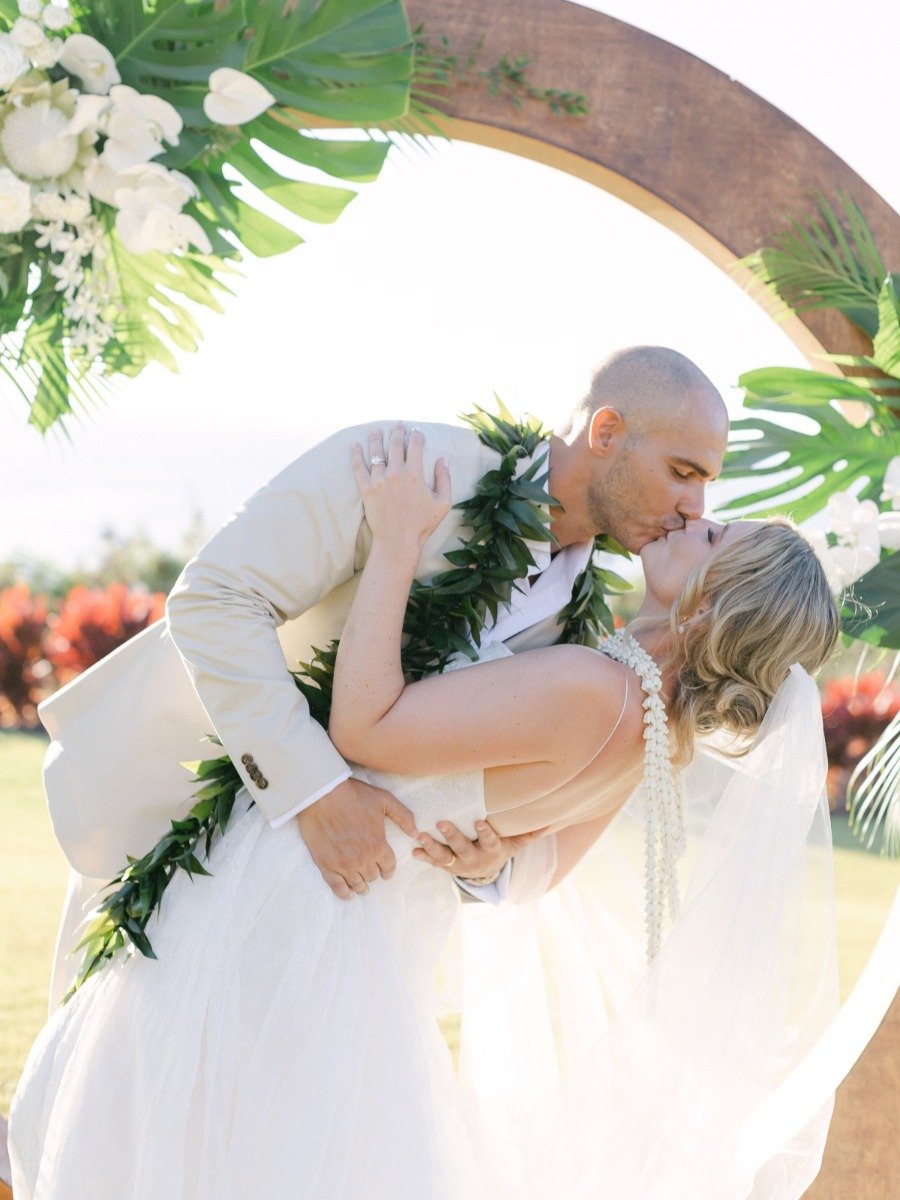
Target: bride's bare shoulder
[[591, 682]]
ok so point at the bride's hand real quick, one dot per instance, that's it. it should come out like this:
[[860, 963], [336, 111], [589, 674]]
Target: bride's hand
[[400, 507], [478, 859]]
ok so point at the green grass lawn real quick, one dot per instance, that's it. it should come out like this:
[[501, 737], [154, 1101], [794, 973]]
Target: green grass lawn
[[33, 881]]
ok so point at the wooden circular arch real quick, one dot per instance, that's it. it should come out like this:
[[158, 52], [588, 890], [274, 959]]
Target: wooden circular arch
[[665, 131]]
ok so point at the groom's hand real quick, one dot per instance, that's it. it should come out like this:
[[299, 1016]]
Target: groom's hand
[[344, 832]]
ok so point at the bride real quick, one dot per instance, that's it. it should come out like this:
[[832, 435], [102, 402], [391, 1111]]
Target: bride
[[285, 1043]]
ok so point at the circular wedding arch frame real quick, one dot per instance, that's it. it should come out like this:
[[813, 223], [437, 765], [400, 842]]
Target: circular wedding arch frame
[[721, 167]]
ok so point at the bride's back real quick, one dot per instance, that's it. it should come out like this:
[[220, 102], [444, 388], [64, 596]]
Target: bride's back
[[603, 782]]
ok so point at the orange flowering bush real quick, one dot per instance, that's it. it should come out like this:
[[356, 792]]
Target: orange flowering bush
[[855, 713], [91, 623], [24, 670]]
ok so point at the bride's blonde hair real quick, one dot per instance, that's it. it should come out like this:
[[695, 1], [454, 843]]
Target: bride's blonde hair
[[759, 605]]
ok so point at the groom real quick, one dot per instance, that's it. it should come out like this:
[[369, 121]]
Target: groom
[[631, 460]]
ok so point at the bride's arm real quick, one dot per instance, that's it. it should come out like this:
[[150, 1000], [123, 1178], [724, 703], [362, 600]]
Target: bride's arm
[[541, 714]]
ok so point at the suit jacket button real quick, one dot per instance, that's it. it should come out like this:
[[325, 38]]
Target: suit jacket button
[[261, 783], [253, 771], [246, 759]]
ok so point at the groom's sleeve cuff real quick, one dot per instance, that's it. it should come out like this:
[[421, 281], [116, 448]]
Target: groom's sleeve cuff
[[489, 893], [283, 818]]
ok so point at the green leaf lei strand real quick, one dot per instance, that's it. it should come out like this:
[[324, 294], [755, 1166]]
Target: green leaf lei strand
[[443, 617]]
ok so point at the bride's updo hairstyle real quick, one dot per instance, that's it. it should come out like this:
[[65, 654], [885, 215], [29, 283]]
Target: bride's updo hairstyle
[[769, 605]]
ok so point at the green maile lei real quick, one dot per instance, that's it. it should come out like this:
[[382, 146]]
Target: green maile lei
[[444, 616]]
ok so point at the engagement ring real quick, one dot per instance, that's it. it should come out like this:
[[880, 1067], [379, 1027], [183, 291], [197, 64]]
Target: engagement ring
[[377, 461]]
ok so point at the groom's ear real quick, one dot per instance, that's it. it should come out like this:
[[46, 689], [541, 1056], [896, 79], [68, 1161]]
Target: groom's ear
[[605, 428]]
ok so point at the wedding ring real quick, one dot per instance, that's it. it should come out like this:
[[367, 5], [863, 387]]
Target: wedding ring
[[452, 860], [376, 461]]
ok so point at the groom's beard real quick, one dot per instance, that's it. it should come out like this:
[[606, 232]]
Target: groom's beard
[[614, 503]]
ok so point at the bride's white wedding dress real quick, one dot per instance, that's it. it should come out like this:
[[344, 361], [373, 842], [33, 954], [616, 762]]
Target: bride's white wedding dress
[[283, 1045], [286, 1045]]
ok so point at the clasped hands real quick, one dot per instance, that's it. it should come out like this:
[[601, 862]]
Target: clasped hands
[[344, 832]]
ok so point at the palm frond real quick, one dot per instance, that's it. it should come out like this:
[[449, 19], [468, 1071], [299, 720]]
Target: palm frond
[[825, 261], [873, 793], [886, 345], [152, 321]]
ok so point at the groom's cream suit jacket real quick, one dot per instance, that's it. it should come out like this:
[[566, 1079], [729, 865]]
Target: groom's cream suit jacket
[[276, 579]]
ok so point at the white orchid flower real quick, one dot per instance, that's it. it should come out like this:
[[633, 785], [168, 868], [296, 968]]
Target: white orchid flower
[[15, 202], [159, 187], [891, 486], [850, 562], [136, 128], [90, 60], [235, 97], [150, 200], [144, 228], [13, 62], [101, 181], [854, 521]]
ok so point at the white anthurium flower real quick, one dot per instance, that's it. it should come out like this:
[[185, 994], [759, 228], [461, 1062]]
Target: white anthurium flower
[[15, 202], [27, 33], [889, 530], [136, 127], [87, 58], [13, 62], [891, 486], [54, 16], [235, 97]]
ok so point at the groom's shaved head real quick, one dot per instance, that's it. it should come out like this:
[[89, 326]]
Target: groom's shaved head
[[650, 386], [634, 455]]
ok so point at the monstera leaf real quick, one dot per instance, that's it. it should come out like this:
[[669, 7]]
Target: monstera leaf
[[820, 463], [346, 59]]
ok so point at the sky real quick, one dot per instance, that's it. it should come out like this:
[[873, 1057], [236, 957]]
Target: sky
[[457, 274]]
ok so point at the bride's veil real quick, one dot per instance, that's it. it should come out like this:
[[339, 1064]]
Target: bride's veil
[[597, 1076]]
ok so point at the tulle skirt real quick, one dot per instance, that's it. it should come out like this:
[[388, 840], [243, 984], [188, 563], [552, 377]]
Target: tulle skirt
[[284, 1044]]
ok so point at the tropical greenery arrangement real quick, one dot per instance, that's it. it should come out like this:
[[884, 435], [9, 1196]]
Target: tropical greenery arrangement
[[129, 130], [846, 460]]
